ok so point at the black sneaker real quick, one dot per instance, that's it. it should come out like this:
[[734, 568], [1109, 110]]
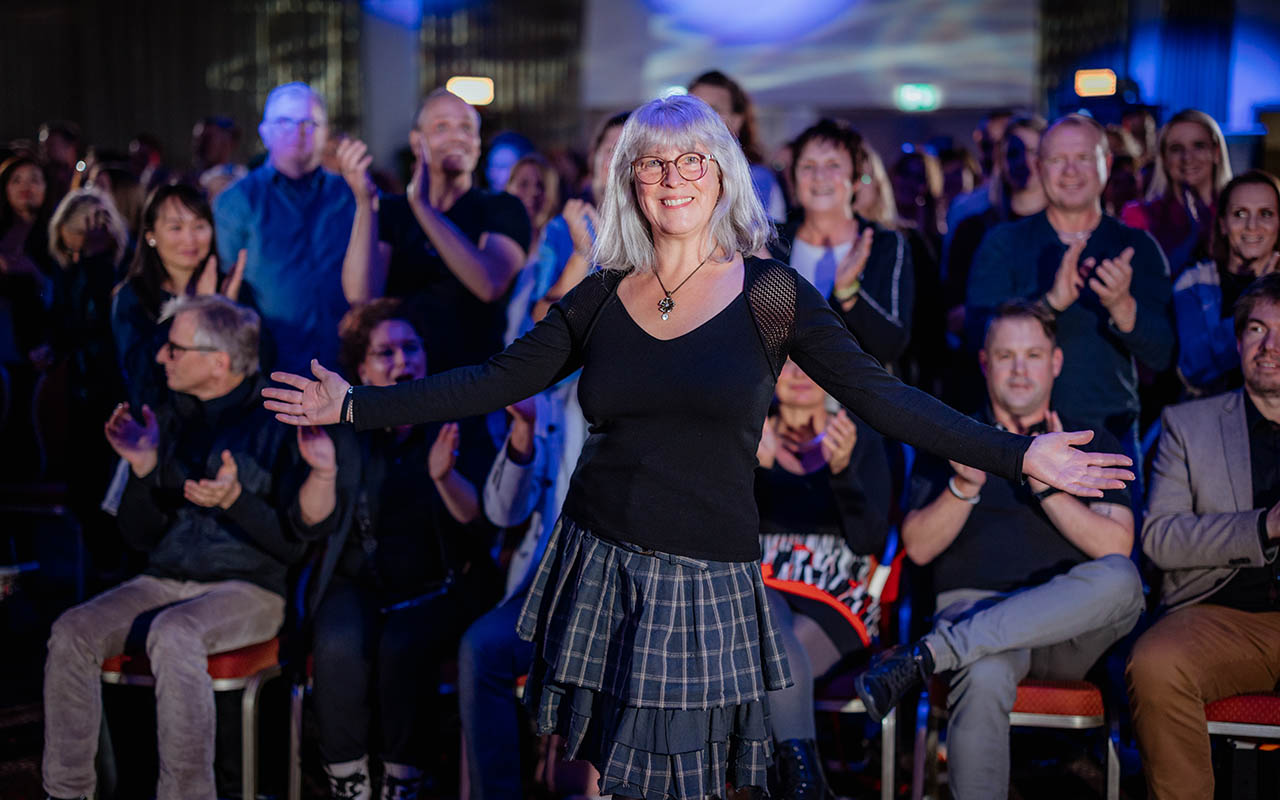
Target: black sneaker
[[891, 675]]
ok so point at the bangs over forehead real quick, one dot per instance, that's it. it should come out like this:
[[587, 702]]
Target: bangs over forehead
[[669, 125]]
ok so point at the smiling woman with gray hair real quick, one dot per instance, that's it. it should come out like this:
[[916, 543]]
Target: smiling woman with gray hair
[[654, 643]]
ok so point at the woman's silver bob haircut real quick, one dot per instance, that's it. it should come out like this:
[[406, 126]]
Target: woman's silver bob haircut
[[686, 124]]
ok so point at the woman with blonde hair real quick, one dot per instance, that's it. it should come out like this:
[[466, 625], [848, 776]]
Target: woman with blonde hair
[[654, 642], [1192, 166]]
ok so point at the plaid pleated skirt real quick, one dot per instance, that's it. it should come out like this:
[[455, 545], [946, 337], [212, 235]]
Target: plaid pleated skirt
[[652, 666]]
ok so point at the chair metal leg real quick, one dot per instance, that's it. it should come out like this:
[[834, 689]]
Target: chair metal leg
[[249, 731], [296, 695], [924, 746], [1113, 768], [888, 754]]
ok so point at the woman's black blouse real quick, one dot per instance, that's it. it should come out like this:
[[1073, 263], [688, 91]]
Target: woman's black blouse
[[669, 461]]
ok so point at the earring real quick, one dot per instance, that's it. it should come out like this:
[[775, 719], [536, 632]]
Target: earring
[[151, 242]]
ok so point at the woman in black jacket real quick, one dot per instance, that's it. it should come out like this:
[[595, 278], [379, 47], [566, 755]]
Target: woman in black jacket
[[405, 573]]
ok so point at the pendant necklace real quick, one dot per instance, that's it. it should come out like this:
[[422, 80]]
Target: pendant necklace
[[666, 304]]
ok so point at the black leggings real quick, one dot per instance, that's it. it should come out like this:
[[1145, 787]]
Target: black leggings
[[365, 658]]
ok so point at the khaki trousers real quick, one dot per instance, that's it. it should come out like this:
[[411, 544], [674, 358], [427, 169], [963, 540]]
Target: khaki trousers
[[1193, 656], [191, 620]]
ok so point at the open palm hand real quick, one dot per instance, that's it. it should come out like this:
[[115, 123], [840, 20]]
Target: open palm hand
[[310, 402], [1053, 459]]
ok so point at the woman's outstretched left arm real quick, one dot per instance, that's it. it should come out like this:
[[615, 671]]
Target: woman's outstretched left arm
[[827, 352]]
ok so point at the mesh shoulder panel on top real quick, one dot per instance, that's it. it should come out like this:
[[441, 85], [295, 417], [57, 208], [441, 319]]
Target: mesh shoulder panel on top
[[772, 294], [588, 298]]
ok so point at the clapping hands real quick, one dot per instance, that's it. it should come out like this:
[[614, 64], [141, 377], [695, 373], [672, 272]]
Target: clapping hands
[[582, 220], [136, 442], [354, 161], [207, 283], [444, 452], [316, 448], [220, 492], [838, 438]]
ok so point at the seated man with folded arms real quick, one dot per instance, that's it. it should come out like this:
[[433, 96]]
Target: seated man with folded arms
[[1031, 582], [213, 483], [1212, 525]]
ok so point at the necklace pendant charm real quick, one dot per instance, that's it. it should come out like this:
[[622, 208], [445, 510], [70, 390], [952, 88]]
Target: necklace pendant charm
[[665, 305]]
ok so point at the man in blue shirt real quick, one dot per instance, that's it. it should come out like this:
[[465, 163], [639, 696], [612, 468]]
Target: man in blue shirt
[[294, 219], [1106, 283]]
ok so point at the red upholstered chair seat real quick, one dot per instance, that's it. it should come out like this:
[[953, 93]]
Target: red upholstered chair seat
[[1248, 709], [229, 665], [1066, 698]]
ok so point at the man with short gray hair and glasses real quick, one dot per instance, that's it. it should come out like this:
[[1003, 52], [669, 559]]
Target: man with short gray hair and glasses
[[213, 488]]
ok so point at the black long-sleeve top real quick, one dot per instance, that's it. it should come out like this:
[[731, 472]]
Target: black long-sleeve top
[[251, 540], [670, 456]]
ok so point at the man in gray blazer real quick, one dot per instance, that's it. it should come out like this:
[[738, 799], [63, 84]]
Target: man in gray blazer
[[1213, 526]]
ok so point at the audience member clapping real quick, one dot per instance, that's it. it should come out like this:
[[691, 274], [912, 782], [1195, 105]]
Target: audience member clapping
[[579, 218], [1107, 284], [211, 482], [864, 269], [294, 220], [1242, 248], [176, 256], [1031, 582], [823, 491], [401, 575], [455, 248], [1191, 166]]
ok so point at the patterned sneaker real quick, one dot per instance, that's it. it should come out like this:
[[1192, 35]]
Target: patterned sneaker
[[891, 675]]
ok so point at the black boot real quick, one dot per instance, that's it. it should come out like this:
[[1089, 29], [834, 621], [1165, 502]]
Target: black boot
[[800, 771], [890, 676]]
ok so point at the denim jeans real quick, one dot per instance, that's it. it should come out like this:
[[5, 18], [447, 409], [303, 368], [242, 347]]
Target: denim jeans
[[490, 659]]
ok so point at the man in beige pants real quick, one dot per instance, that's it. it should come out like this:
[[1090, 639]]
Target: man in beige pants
[[1213, 526], [212, 484]]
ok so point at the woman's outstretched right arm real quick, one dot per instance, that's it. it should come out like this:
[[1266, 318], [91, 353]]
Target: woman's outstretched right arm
[[533, 362]]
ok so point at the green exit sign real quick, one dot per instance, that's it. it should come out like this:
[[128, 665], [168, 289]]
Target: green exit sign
[[917, 97]]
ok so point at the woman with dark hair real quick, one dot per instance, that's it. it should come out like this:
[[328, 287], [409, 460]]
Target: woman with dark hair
[[401, 575], [1191, 167], [25, 264], [654, 641], [865, 269], [734, 106], [177, 255], [1242, 249]]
